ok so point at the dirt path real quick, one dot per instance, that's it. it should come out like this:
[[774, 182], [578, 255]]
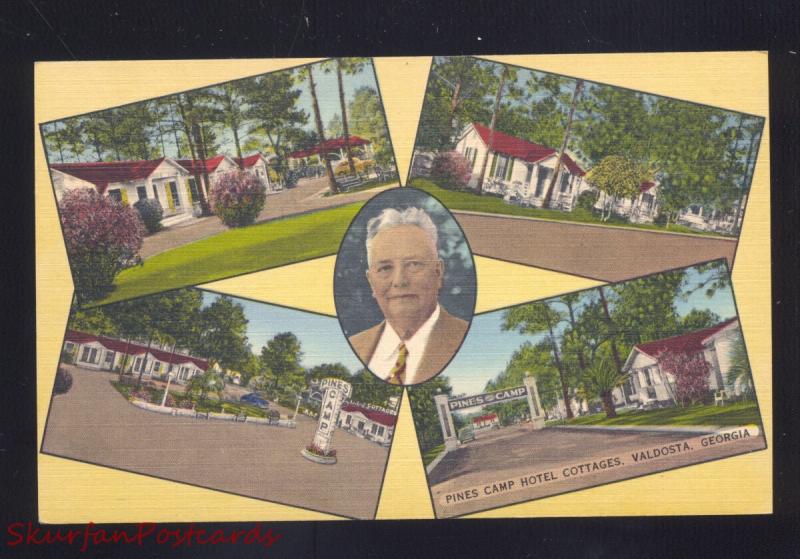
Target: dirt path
[[307, 196], [94, 423], [603, 253]]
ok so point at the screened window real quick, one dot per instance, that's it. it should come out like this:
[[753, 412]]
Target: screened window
[[541, 180], [529, 174], [193, 188], [565, 182], [141, 192], [173, 188], [115, 194], [502, 167]]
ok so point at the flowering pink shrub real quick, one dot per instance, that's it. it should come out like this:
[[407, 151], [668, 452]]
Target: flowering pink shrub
[[102, 236], [451, 170], [185, 404], [170, 402], [690, 373], [237, 198]]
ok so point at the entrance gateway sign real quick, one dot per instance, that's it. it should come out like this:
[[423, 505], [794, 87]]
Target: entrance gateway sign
[[334, 392], [446, 405], [495, 397]]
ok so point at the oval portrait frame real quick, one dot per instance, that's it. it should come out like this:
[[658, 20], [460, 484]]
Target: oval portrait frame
[[356, 308]]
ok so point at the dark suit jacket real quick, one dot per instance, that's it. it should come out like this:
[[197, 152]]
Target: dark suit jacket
[[446, 336]]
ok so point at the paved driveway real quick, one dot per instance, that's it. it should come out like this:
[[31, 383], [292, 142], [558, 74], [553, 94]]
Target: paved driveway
[[517, 451], [307, 196], [94, 423], [603, 253]]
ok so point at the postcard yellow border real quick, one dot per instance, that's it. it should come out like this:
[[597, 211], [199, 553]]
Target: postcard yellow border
[[71, 492]]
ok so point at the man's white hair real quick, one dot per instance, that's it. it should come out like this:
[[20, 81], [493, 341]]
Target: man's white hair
[[391, 217]]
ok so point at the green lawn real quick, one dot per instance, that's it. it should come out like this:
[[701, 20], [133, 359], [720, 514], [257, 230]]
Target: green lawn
[[429, 455], [732, 415], [468, 201], [237, 251]]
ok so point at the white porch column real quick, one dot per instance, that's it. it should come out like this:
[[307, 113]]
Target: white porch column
[[534, 403], [446, 421]]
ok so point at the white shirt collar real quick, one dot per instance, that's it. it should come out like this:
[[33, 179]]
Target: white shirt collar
[[385, 355]]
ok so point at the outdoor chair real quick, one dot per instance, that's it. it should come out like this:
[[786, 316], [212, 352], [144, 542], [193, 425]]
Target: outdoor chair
[[720, 397]]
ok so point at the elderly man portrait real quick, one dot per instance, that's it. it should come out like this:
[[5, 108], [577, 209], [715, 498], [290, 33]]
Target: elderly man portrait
[[418, 337]]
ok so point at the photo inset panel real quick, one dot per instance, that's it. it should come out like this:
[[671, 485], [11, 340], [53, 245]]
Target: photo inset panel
[[220, 181], [582, 177], [224, 393], [405, 286], [589, 388]]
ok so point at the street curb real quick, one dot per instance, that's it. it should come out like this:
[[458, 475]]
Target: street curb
[[429, 468], [689, 429]]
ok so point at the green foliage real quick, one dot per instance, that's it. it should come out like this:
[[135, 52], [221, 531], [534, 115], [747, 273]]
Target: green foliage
[[601, 377], [94, 320], [587, 200], [426, 418], [201, 386], [151, 213], [697, 319], [281, 356], [367, 120], [223, 338], [237, 198], [739, 374], [618, 177], [370, 389]]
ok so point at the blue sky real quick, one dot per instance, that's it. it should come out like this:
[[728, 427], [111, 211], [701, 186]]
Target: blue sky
[[487, 348], [321, 337]]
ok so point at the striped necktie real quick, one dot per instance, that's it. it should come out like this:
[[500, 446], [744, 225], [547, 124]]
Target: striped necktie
[[398, 373]]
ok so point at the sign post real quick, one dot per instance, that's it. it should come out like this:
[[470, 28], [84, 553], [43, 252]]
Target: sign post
[[446, 421], [335, 392], [537, 413]]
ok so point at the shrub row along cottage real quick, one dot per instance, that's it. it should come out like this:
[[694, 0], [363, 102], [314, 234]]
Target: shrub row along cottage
[[171, 182], [103, 353], [521, 171]]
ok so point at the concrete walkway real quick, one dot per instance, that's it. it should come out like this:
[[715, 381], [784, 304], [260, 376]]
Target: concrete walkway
[[94, 423], [307, 196]]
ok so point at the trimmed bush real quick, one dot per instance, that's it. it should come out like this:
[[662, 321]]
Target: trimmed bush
[[151, 213], [237, 198], [102, 236], [362, 166], [63, 381], [451, 170], [587, 200]]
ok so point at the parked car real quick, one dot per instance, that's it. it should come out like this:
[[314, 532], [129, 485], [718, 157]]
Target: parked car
[[466, 434], [255, 399]]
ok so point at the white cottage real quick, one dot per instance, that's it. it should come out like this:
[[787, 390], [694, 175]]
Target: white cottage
[[258, 166], [710, 219], [642, 208], [164, 180], [103, 353], [520, 170], [368, 422], [648, 384]]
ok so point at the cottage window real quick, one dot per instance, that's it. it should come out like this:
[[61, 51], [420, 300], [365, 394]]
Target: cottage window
[[88, 355], [374, 429], [695, 209], [380, 431], [155, 193], [647, 200], [137, 364], [349, 420], [501, 167], [115, 194], [360, 425], [528, 175], [141, 192], [648, 377], [157, 366], [109, 357], [68, 347]]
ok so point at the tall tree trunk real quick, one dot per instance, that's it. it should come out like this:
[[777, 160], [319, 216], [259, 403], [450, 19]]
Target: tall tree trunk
[[608, 404], [144, 362], [579, 348], [612, 332], [345, 126], [557, 172], [240, 159], [561, 374], [490, 146], [321, 132], [454, 101], [124, 359], [188, 125], [200, 140]]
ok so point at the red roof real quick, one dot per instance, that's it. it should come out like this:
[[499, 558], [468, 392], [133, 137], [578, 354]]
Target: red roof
[[523, 149], [102, 173], [249, 160], [132, 348], [329, 145], [196, 166], [685, 343], [386, 419], [646, 185], [487, 417]]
